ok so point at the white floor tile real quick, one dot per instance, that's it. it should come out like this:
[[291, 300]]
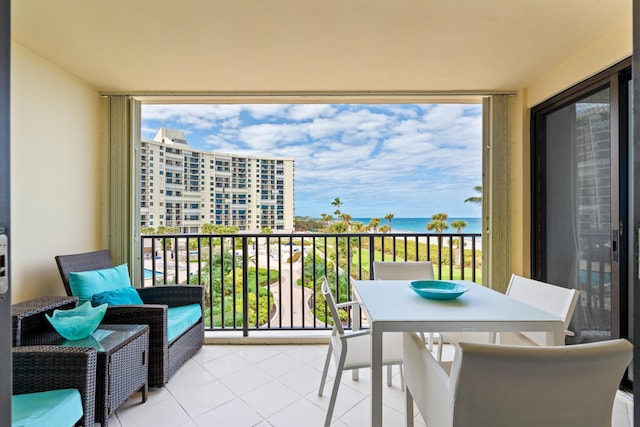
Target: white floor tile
[[271, 398], [226, 365], [246, 380], [234, 413], [273, 386], [201, 399], [303, 379], [302, 413], [279, 364]]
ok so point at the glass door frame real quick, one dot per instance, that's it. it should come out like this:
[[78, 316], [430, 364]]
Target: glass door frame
[[616, 78]]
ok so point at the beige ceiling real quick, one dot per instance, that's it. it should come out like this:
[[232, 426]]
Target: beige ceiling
[[311, 45]]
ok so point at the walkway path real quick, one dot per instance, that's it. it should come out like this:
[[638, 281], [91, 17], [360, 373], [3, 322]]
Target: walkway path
[[291, 299]]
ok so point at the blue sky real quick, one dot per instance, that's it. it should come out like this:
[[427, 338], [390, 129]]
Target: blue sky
[[410, 160]]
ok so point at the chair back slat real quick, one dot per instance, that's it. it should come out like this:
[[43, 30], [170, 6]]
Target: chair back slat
[[331, 303], [400, 270], [559, 301]]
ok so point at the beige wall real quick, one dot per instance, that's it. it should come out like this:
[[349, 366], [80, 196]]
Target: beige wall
[[607, 51], [56, 126], [55, 171]]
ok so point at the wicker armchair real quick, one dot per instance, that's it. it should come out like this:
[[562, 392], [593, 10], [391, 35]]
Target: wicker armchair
[[49, 367], [165, 357]]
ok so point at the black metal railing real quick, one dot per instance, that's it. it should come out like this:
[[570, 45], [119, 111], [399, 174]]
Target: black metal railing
[[259, 282]]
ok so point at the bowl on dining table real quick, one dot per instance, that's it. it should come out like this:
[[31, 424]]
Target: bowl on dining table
[[438, 289]]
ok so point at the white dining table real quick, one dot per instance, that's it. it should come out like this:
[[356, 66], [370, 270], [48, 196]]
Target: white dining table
[[392, 306]]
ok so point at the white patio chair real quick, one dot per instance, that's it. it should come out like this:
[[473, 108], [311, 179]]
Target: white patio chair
[[352, 350], [553, 299], [401, 270], [492, 385]]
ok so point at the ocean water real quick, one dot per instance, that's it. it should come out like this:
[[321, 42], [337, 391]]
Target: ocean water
[[419, 225]]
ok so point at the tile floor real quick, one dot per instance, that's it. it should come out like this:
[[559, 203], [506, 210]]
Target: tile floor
[[270, 385]]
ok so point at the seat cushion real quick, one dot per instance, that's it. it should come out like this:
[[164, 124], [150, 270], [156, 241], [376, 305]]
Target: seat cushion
[[85, 284], [46, 408], [121, 296], [181, 318]]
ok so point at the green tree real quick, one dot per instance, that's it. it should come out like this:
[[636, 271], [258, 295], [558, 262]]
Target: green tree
[[208, 228], [326, 219], [458, 225], [389, 217], [358, 227], [338, 227], [374, 223], [385, 228], [266, 230], [475, 199], [167, 243], [438, 223], [346, 219], [337, 203], [306, 223]]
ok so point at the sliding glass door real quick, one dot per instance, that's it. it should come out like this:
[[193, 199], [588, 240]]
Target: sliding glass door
[[580, 210]]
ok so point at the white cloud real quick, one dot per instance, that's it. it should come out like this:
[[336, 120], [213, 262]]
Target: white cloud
[[410, 160]]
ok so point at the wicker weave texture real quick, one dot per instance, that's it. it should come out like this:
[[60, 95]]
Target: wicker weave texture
[[30, 327], [41, 368], [164, 359], [121, 371]]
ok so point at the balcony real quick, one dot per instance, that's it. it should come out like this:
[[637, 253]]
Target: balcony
[[284, 294], [272, 385]]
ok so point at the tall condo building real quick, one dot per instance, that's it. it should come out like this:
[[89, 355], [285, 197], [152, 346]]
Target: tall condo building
[[185, 187]]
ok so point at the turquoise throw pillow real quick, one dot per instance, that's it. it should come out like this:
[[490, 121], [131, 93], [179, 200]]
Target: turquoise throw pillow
[[85, 284], [121, 296]]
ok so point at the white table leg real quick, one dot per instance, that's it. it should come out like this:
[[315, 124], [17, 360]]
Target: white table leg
[[556, 337], [376, 375]]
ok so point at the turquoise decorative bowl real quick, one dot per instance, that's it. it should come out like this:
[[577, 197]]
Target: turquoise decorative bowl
[[437, 289], [77, 323]]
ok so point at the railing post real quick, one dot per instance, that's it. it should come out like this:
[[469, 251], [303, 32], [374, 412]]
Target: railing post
[[320, 255], [372, 255], [245, 289]]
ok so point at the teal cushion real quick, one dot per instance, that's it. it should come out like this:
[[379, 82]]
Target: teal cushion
[[85, 284], [181, 318], [46, 408], [121, 296]]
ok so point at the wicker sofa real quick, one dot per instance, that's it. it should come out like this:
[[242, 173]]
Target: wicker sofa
[[42, 368], [165, 357]]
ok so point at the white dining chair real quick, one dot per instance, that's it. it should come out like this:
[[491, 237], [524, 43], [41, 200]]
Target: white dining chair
[[491, 385], [352, 350], [553, 299], [405, 270]]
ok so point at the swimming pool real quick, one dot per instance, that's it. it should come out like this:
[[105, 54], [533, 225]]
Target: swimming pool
[[148, 274]]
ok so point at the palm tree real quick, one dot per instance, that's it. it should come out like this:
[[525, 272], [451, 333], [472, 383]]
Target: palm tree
[[475, 199], [346, 219], [326, 219], [389, 217], [438, 223], [459, 224], [374, 223], [337, 203], [358, 227], [385, 228]]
